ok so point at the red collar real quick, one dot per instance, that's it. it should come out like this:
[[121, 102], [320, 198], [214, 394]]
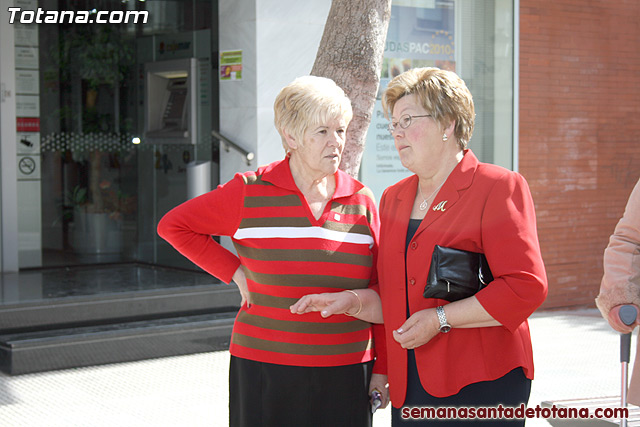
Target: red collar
[[279, 174]]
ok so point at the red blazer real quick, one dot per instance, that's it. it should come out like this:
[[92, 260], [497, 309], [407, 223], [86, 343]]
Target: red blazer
[[483, 208]]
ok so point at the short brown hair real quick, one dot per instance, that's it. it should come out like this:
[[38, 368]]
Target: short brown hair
[[442, 93]]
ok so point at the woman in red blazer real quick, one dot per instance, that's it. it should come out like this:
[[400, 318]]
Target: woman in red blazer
[[475, 352]]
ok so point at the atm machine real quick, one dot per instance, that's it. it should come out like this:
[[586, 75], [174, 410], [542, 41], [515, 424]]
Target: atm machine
[[175, 151], [170, 102]]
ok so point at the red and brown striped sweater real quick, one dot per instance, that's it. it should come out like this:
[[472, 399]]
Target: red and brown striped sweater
[[286, 254]]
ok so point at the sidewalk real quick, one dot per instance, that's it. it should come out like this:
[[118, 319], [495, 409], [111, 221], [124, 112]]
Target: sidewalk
[[575, 352]]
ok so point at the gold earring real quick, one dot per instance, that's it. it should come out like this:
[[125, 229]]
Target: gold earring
[[445, 137]]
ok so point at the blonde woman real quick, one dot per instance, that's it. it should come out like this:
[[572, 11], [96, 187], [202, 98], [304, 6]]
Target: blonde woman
[[299, 225]]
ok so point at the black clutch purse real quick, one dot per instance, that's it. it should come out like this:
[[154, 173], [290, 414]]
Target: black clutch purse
[[456, 274]]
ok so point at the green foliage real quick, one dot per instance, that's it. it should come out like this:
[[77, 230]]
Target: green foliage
[[100, 54], [76, 197], [104, 57]]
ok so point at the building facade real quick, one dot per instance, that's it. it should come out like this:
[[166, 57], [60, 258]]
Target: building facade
[[578, 139], [105, 127]]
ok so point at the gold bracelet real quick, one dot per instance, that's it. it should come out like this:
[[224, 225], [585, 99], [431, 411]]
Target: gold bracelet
[[359, 302]]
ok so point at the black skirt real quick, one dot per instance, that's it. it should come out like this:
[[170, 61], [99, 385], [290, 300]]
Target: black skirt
[[511, 391], [266, 394]]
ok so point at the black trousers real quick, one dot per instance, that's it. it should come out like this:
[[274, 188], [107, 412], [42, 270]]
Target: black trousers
[[265, 394], [510, 390]]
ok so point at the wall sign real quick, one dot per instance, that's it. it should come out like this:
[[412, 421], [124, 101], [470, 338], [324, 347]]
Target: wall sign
[[231, 65], [421, 34]]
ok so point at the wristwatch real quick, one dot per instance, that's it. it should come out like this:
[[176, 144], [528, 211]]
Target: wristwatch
[[442, 318]]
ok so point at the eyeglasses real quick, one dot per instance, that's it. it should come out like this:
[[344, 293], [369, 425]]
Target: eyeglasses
[[404, 122]]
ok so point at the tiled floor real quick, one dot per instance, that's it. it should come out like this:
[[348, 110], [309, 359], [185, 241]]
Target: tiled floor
[[576, 354]]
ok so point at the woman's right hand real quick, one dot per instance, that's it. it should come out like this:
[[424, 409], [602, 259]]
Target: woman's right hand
[[616, 323], [241, 280], [363, 304], [327, 304]]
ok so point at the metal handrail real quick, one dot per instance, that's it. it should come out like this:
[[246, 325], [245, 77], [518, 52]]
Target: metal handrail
[[248, 155]]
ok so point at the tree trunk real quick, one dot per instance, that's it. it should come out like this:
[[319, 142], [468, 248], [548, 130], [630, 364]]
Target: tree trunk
[[351, 53]]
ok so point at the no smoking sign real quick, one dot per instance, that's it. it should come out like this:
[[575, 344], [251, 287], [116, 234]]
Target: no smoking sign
[[28, 167]]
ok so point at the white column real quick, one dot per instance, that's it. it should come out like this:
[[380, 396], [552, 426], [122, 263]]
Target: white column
[[8, 149], [279, 40]]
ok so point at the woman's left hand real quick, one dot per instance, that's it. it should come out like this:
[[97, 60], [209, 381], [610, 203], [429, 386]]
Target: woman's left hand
[[380, 383], [418, 330]]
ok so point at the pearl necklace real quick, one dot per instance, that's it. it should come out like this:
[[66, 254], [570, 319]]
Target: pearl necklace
[[425, 204]]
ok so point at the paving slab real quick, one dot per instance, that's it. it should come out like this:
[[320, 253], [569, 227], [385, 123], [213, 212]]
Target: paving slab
[[576, 356]]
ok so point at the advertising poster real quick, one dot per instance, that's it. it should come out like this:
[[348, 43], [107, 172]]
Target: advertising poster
[[231, 65], [421, 34]]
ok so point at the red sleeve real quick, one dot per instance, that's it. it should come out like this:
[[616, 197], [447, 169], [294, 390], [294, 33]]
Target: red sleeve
[[189, 227], [379, 338], [374, 226], [510, 243], [380, 343]]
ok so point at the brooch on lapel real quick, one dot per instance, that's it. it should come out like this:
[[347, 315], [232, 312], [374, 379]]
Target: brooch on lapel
[[440, 206]]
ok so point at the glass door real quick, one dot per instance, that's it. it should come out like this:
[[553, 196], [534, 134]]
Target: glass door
[[105, 175]]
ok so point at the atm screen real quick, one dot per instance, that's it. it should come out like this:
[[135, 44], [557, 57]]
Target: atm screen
[[174, 116]]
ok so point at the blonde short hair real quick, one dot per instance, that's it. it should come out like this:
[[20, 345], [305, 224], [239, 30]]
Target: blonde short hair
[[306, 102], [443, 94]]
